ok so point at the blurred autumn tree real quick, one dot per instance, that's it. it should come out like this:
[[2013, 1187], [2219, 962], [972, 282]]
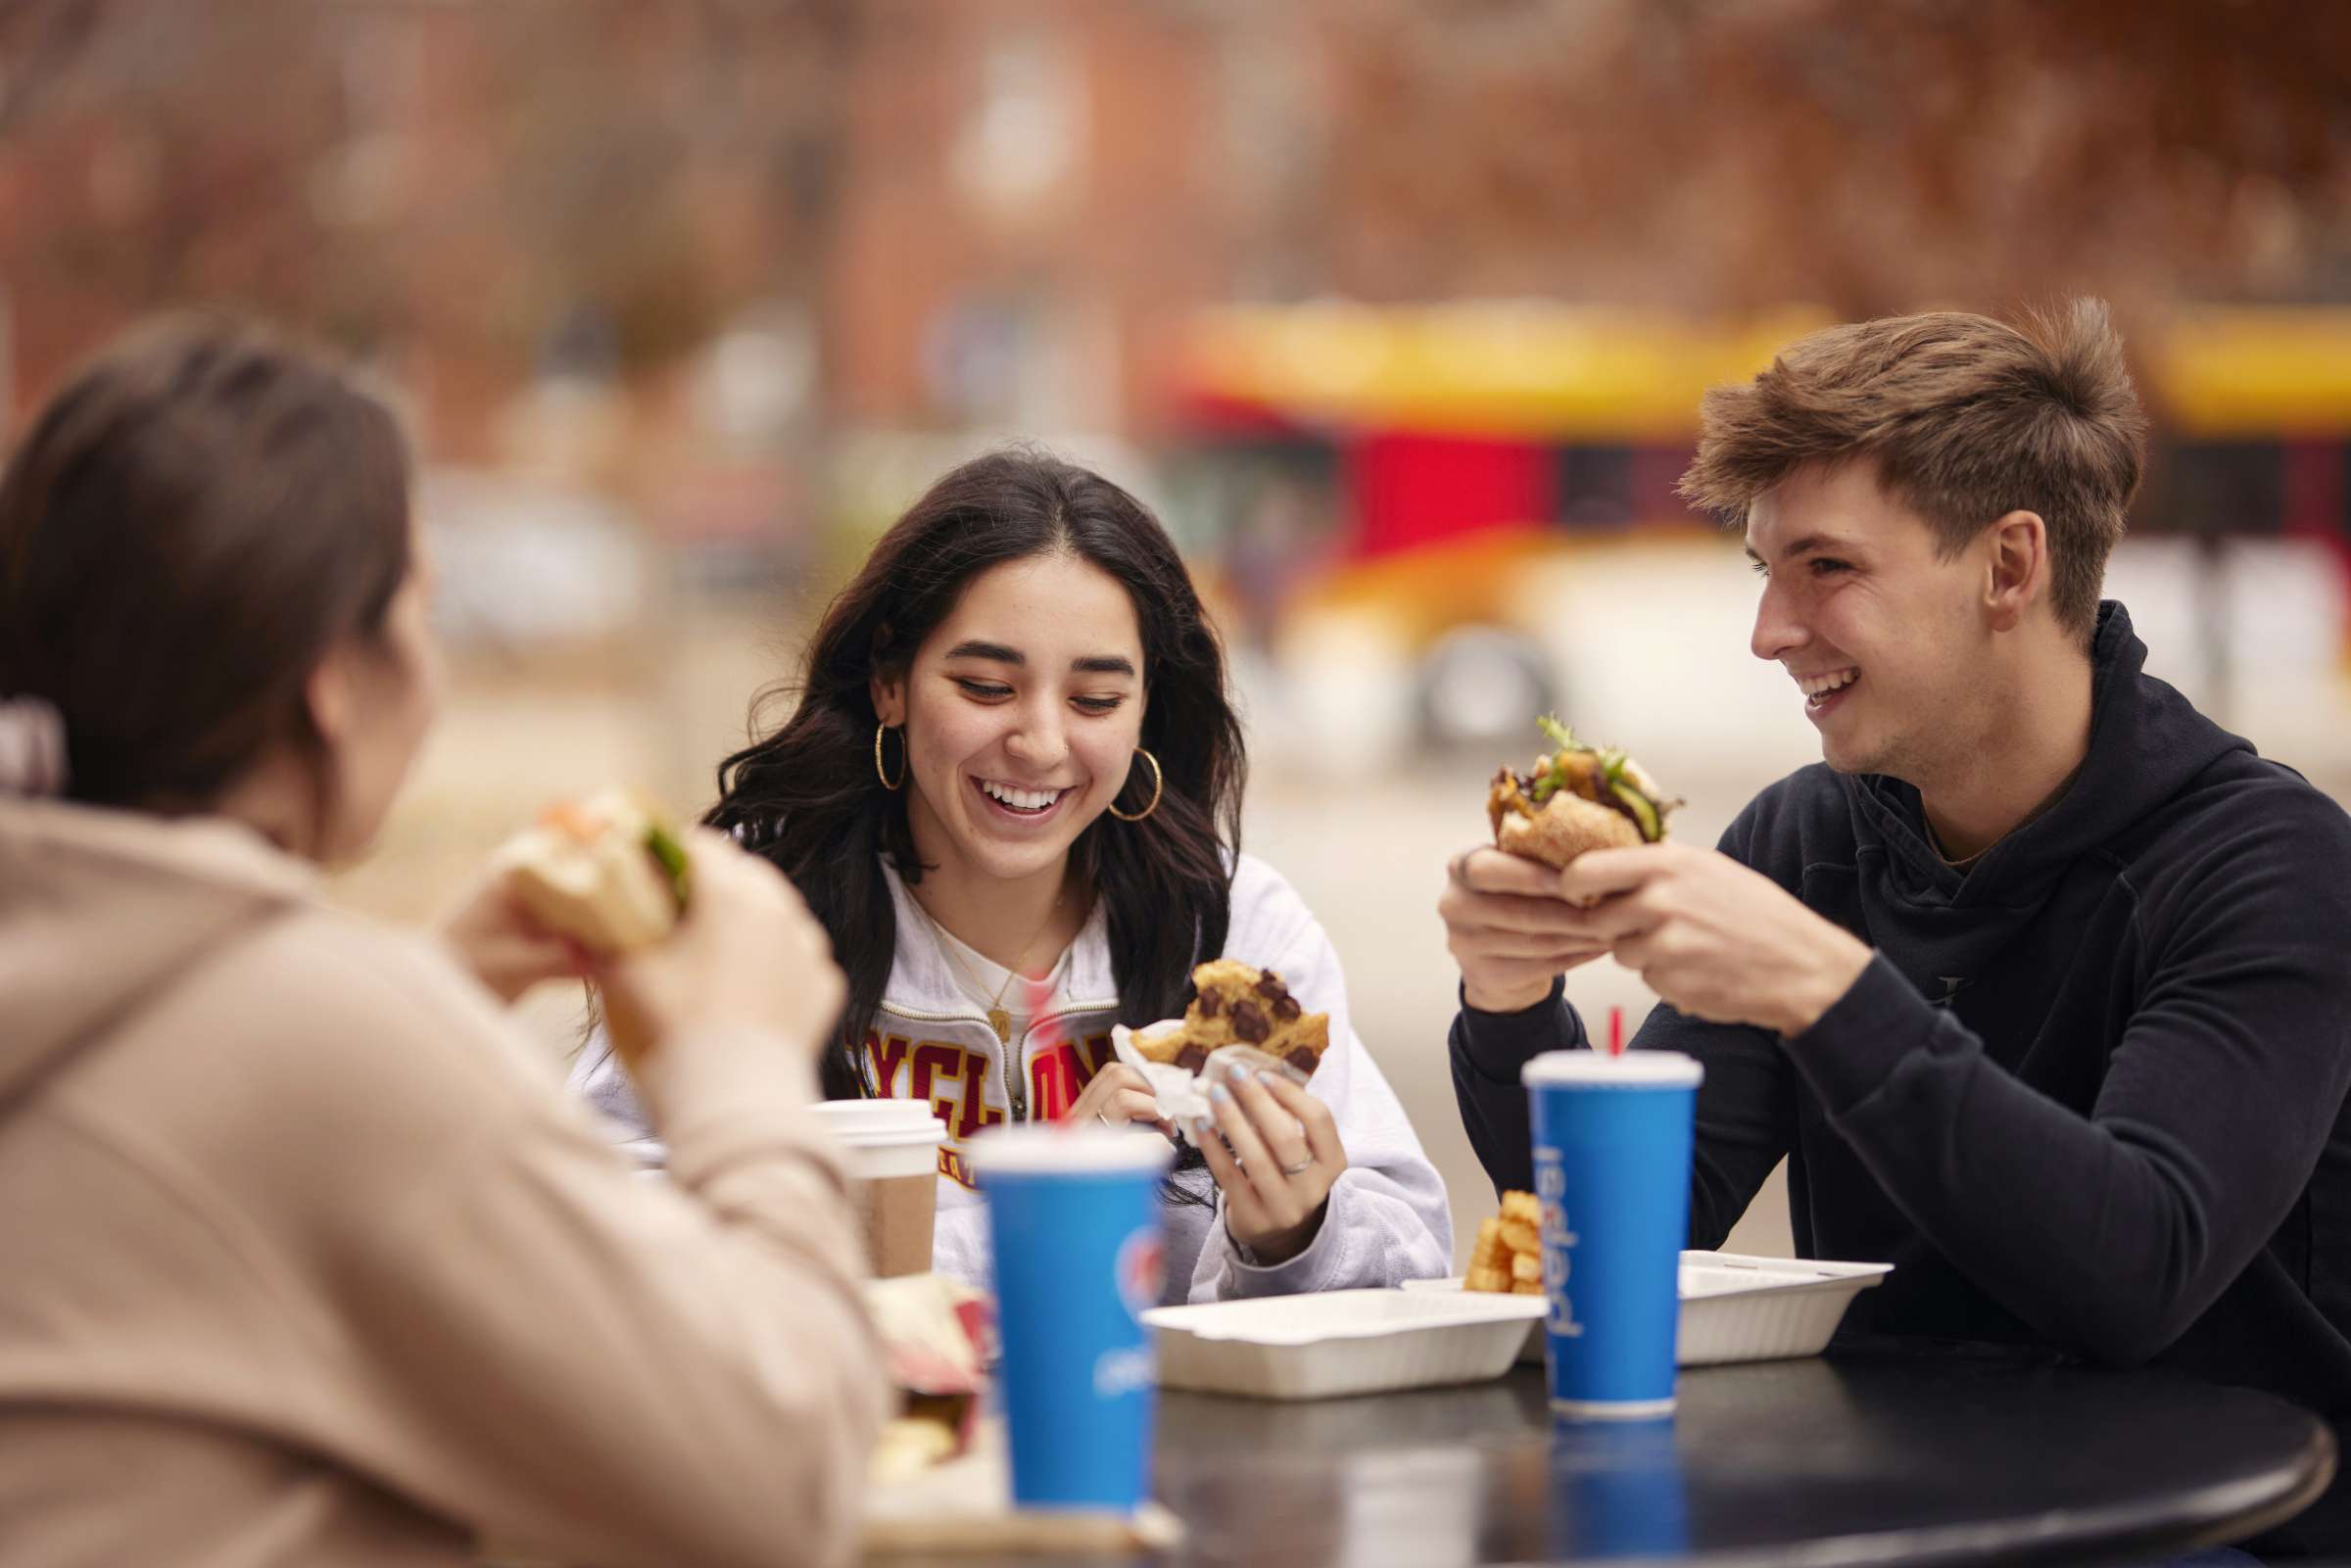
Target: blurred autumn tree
[[389, 171], [494, 184], [1867, 154]]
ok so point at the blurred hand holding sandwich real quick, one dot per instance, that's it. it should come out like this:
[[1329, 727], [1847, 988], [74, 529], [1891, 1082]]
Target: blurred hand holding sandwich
[[670, 927], [601, 874]]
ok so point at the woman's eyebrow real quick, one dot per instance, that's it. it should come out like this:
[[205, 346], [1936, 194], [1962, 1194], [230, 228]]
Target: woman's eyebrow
[[1005, 654], [975, 649]]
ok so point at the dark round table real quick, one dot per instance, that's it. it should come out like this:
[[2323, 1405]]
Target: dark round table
[[1864, 1459]]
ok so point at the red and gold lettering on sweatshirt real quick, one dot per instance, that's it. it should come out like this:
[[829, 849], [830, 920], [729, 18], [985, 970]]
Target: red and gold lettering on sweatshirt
[[1059, 1076], [955, 1079], [887, 1054], [951, 1078]]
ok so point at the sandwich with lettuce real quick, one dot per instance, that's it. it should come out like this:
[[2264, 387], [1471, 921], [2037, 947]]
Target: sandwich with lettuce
[[1579, 796], [608, 872]]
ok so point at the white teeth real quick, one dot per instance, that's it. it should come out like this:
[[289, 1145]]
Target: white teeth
[[1020, 800], [1820, 686]]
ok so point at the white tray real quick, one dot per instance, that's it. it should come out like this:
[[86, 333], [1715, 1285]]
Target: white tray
[[1341, 1342], [1739, 1308]]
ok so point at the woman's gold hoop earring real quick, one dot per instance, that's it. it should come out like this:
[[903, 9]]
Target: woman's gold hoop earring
[[881, 773], [1159, 781]]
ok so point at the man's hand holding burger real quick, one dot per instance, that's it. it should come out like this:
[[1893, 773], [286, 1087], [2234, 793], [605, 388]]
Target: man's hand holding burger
[[1502, 917], [1509, 931], [1581, 868], [1712, 937]]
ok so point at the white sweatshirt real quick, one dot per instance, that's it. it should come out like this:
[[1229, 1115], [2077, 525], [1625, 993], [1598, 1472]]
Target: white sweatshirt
[[1386, 1221]]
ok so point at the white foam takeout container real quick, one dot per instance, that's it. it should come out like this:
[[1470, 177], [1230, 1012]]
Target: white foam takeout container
[[1340, 1342], [1434, 1332], [1739, 1308]]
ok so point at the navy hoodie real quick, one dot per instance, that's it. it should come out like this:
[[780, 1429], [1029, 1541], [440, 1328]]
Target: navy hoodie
[[2088, 1094]]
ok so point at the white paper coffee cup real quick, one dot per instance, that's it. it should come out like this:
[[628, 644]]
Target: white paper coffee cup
[[892, 1150]]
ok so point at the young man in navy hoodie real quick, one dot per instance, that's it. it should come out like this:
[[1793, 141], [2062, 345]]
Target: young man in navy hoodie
[[2041, 980]]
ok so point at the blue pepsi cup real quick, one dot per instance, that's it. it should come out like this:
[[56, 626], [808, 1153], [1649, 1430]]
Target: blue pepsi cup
[[1611, 1143], [1080, 1253]]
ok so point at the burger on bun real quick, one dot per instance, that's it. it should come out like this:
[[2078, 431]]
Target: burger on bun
[[1578, 797]]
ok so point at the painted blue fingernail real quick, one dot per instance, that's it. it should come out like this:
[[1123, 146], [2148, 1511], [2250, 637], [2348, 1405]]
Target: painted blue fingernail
[[1267, 1076], [1221, 1094], [1237, 1074]]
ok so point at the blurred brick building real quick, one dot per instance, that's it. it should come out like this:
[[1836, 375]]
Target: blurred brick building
[[994, 211], [996, 214]]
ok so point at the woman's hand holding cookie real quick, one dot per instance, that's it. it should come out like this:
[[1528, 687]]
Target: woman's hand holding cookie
[[1275, 1151]]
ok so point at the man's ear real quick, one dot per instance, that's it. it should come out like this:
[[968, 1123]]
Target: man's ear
[[2018, 568]]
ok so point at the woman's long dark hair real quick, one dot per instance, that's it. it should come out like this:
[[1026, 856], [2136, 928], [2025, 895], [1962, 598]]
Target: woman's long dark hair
[[809, 799]]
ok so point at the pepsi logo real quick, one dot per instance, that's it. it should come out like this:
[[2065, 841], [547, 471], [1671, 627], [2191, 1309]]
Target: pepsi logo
[[1142, 1268]]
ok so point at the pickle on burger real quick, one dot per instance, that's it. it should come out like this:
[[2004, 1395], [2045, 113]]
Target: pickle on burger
[[1578, 797]]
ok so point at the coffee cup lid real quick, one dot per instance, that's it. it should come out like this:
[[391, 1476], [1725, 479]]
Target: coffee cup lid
[[891, 1122], [1597, 1069], [1052, 1149]]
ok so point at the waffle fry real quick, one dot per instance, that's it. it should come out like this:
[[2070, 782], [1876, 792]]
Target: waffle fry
[[1489, 1260], [1507, 1259]]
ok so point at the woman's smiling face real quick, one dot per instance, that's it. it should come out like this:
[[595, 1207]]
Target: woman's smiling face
[[1021, 711]]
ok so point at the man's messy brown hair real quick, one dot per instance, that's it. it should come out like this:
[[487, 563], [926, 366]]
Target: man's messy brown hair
[[1966, 419]]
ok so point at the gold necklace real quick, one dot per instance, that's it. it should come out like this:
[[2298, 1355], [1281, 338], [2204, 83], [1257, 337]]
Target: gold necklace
[[999, 1018]]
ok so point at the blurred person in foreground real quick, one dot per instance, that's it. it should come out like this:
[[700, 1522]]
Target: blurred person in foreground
[[2041, 980], [1011, 790], [309, 1256]]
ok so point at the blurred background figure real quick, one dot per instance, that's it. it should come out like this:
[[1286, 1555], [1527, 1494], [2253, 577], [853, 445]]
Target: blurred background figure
[[1397, 310]]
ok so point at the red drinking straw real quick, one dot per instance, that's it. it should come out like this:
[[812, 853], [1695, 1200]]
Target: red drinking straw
[[1045, 1024], [1615, 1031]]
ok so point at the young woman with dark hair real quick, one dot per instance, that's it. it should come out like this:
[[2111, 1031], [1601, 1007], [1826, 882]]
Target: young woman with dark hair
[[1011, 792], [298, 1225]]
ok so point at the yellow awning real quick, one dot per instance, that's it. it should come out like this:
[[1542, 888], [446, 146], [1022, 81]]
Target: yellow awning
[[2251, 374], [1585, 373]]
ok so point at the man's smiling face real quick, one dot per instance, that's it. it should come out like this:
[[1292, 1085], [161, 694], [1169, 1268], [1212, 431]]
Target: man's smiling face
[[1886, 639]]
